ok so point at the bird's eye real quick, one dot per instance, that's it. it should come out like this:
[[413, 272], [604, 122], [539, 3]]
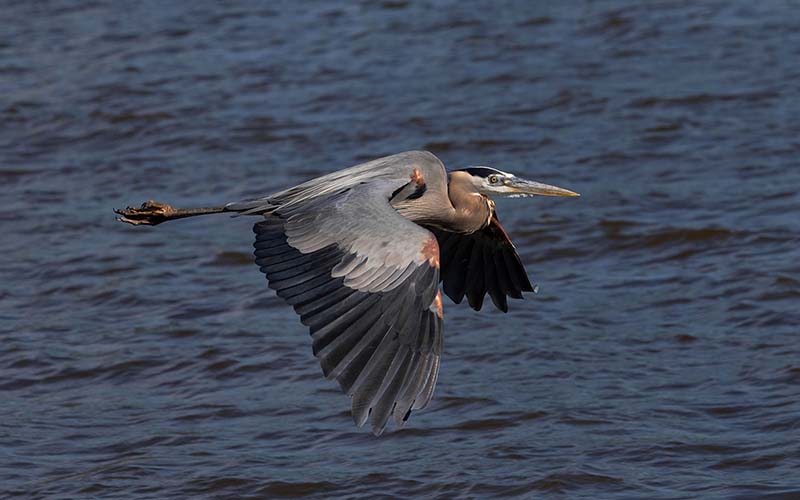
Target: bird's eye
[[493, 179]]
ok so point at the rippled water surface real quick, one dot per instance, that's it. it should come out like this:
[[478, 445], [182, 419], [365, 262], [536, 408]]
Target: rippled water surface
[[660, 358]]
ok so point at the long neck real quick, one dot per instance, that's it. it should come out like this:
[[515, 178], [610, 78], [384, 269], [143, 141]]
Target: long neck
[[472, 210]]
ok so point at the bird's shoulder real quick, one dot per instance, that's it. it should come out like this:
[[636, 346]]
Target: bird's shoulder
[[420, 166]]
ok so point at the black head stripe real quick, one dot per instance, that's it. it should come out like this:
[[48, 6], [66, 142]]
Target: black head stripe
[[482, 171]]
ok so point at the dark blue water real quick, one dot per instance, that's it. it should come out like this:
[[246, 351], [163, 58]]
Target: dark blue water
[[660, 358]]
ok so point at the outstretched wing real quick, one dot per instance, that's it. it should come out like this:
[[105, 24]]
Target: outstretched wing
[[481, 262], [365, 281]]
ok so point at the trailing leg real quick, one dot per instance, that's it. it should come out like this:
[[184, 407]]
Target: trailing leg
[[152, 213]]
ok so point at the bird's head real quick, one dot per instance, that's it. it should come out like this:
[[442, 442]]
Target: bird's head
[[496, 183]]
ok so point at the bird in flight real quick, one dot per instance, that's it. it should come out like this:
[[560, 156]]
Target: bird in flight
[[359, 255]]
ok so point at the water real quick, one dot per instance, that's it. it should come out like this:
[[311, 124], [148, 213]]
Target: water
[[660, 358]]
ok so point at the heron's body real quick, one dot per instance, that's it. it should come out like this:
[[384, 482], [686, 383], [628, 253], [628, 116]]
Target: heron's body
[[359, 254], [418, 183]]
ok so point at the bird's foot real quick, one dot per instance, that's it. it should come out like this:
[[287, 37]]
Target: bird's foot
[[149, 214]]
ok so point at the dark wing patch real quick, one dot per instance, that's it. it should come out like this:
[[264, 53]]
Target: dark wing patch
[[480, 263], [383, 346], [482, 171]]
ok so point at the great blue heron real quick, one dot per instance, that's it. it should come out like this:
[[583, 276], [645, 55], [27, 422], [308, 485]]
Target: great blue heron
[[359, 254]]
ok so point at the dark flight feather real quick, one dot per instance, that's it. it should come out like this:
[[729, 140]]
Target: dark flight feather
[[378, 345], [479, 263]]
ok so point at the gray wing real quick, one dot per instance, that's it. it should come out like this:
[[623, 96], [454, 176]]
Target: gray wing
[[392, 168], [365, 281]]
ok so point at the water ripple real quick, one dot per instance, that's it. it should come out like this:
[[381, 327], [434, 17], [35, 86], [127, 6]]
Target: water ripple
[[659, 358]]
